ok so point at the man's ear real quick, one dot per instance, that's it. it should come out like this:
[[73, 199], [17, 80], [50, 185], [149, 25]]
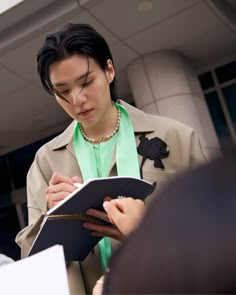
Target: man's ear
[[110, 71]]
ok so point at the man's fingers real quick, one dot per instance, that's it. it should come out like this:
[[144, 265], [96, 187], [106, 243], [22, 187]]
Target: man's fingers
[[99, 214], [77, 179], [59, 178], [61, 187], [56, 197], [113, 213], [53, 204], [104, 230]]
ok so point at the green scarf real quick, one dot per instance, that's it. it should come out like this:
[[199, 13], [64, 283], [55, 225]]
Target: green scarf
[[126, 162]]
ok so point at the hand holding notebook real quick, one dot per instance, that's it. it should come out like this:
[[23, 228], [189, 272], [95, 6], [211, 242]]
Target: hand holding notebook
[[124, 213], [63, 224]]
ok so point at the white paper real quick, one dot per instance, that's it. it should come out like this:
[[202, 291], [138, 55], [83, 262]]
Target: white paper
[[42, 273]]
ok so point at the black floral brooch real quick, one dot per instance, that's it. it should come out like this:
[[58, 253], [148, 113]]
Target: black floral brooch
[[154, 149]]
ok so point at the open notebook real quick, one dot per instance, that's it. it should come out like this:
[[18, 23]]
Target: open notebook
[[63, 224]]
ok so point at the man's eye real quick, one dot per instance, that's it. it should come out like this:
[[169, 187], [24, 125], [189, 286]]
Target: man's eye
[[87, 83], [64, 92]]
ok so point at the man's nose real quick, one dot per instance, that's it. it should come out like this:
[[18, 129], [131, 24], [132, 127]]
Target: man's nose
[[77, 96]]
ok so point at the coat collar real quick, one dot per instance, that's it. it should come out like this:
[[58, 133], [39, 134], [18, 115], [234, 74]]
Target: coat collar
[[140, 121]]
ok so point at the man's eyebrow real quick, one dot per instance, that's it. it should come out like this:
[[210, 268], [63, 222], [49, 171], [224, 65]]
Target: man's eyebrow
[[83, 76]]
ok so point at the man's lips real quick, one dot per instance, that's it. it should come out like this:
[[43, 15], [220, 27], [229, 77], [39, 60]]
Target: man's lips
[[85, 112]]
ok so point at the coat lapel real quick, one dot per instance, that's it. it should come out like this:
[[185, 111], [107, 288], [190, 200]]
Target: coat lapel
[[141, 124]]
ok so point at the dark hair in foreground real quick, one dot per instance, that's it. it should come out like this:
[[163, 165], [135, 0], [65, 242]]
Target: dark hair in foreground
[[72, 39], [186, 243]]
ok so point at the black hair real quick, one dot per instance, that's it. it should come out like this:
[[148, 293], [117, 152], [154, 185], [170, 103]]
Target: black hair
[[72, 39]]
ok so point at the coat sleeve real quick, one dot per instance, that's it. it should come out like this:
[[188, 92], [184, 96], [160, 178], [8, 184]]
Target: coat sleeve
[[36, 202]]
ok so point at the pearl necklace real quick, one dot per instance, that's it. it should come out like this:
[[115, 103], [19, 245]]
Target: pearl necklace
[[103, 138]]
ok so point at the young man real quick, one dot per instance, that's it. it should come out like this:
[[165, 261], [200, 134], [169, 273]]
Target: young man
[[106, 138]]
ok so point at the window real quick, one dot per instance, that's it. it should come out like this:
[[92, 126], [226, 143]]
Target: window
[[206, 80], [13, 170], [5, 186], [218, 118], [219, 87], [230, 99], [226, 73]]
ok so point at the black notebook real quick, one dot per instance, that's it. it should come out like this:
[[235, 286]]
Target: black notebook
[[63, 224]]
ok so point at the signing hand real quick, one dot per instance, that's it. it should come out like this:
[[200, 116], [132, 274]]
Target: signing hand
[[125, 213], [60, 186]]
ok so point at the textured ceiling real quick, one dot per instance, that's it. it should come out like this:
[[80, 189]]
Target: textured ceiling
[[203, 31]]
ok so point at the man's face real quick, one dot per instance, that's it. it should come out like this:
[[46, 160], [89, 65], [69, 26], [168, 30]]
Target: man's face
[[84, 87]]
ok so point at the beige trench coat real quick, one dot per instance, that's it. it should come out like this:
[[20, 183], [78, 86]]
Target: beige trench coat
[[58, 156]]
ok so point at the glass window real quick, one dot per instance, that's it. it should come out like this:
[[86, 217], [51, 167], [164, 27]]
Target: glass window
[[227, 72], [9, 227], [230, 99], [5, 186], [218, 119], [206, 80], [20, 161]]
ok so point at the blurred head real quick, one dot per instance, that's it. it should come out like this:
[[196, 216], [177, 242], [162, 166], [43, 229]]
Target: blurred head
[[186, 243], [71, 40]]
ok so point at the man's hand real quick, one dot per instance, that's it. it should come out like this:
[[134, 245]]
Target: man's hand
[[125, 213], [110, 231], [59, 188]]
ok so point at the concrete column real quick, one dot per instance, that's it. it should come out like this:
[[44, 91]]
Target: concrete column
[[165, 83]]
